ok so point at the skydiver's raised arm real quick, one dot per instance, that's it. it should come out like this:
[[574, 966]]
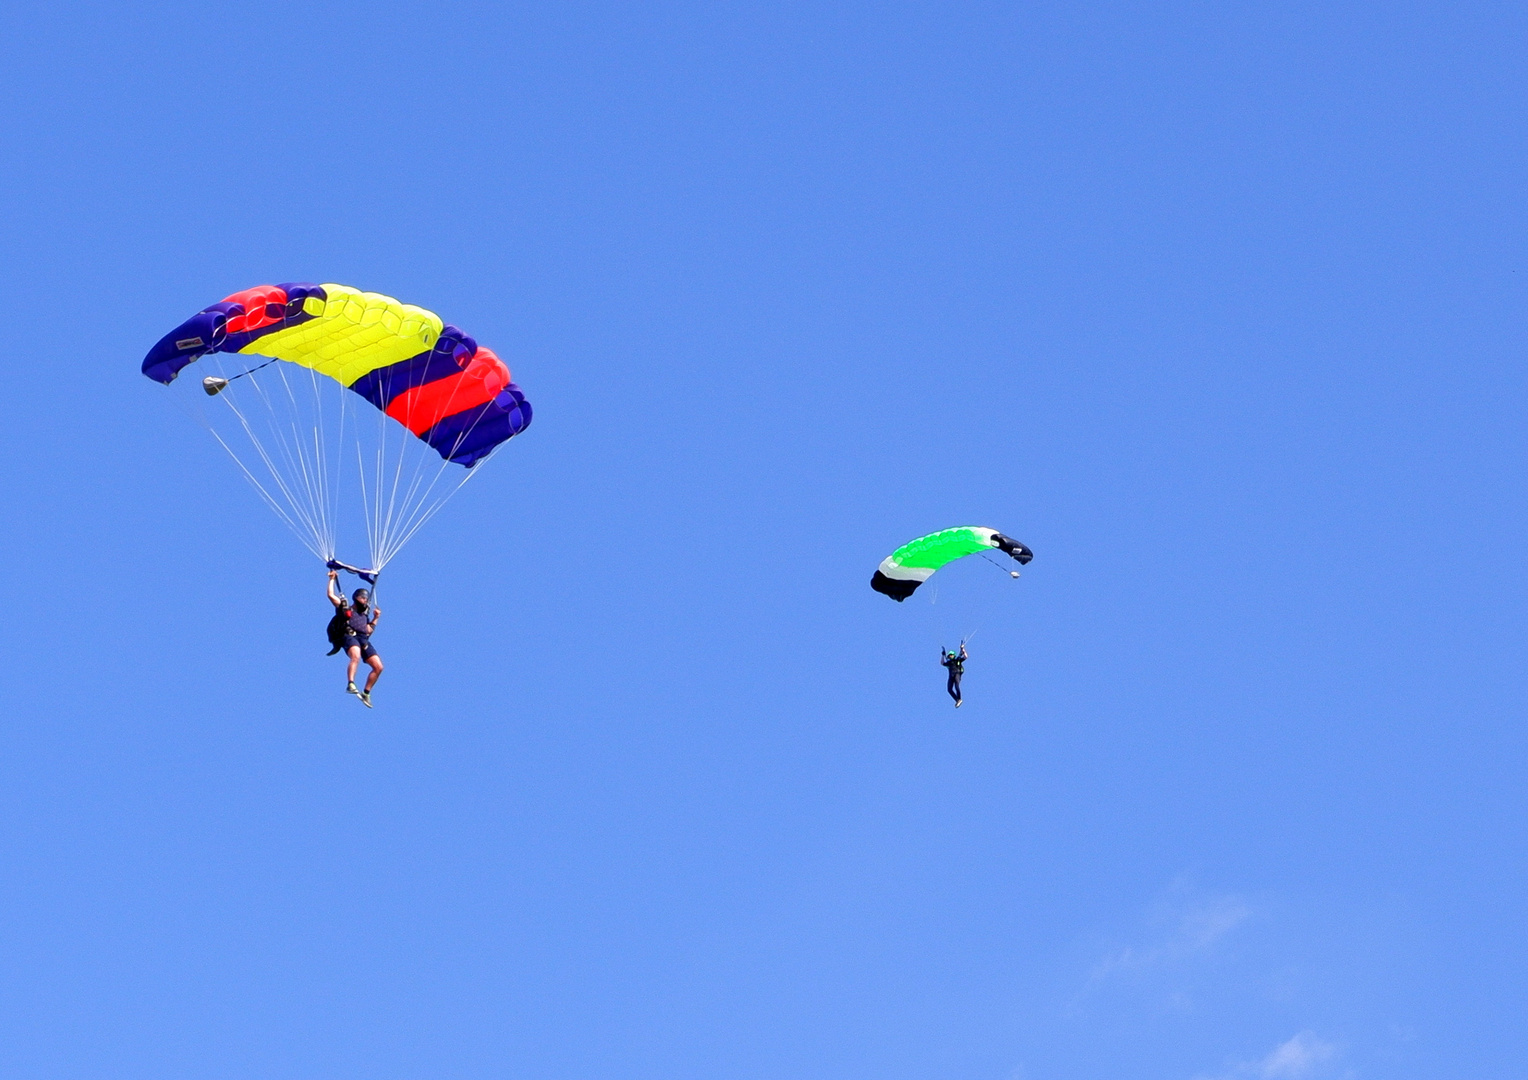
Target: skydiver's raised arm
[[333, 592]]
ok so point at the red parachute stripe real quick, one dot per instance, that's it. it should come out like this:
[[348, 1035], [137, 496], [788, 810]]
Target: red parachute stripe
[[422, 407], [256, 314]]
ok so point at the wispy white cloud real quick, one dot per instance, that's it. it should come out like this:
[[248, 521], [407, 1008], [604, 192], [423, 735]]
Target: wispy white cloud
[[1298, 1057], [1180, 945], [1194, 925], [1203, 926], [1302, 1057]]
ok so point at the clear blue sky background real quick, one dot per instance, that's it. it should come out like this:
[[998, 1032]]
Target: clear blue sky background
[[1218, 307]]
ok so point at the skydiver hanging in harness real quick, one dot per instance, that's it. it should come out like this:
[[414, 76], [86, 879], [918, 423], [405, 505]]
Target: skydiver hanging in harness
[[354, 636], [956, 662]]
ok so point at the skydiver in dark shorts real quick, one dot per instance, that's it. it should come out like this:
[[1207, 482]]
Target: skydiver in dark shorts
[[359, 626], [956, 662]]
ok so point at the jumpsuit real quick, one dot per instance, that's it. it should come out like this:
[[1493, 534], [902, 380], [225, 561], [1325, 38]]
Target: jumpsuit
[[957, 665]]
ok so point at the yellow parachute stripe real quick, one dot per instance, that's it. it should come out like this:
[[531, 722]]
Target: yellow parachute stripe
[[353, 333]]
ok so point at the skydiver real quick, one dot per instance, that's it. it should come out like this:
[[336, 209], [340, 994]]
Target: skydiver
[[359, 625], [956, 662]]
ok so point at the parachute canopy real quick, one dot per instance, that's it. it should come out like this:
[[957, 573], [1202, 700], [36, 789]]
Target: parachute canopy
[[430, 377], [913, 563], [286, 370]]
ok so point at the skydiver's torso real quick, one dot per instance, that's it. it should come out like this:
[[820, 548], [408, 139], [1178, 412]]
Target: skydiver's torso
[[359, 624]]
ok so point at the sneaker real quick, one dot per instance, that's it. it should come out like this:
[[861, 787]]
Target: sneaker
[[350, 688], [958, 704], [366, 698]]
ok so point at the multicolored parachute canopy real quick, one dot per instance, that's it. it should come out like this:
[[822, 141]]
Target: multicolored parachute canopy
[[331, 465], [912, 564], [432, 378]]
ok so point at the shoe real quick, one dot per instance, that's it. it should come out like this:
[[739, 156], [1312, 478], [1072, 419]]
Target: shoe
[[350, 688], [958, 704], [366, 698]]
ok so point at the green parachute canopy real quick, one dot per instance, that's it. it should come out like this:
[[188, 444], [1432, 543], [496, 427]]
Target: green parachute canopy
[[913, 563]]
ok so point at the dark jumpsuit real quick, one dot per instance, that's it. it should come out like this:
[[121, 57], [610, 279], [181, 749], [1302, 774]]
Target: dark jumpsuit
[[956, 662], [356, 633]]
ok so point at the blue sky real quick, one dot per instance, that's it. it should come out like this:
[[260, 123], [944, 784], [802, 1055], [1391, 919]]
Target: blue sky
[[1218, 308]]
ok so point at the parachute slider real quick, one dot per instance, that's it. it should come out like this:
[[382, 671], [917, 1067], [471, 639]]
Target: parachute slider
[[214, 385]]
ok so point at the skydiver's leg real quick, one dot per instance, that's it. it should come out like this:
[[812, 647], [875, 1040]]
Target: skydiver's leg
[[375, 663], [354, 652], [954, 687]]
